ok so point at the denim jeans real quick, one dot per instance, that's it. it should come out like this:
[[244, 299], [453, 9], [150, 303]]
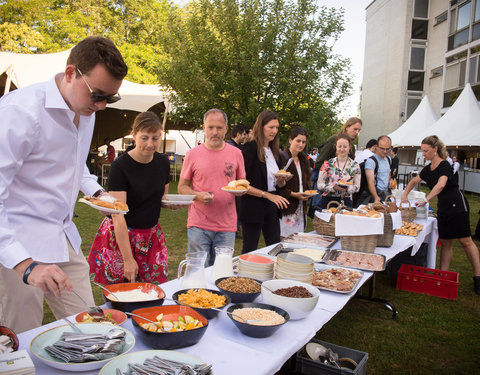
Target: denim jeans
[[206, 240]]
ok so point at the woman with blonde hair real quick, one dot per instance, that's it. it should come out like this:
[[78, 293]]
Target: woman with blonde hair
[[260, 208], [132, 247], [452, 211], [338, 170]]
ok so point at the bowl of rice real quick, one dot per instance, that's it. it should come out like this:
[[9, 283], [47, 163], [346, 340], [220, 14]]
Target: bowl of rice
[[297, 298], [257, 319], [239, 289], [132, 296], [202, 300]]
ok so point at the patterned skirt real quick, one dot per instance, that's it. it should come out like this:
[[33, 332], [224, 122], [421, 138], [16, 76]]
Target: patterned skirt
[[149, 251]]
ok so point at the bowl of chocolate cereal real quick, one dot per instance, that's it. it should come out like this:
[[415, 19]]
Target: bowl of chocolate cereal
[[239, 289], [297, 298]]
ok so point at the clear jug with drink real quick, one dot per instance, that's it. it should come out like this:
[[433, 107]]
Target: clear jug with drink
[[222, 267], [194, 276]]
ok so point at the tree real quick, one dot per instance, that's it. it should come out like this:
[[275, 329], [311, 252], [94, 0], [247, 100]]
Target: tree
[[244, 56], [39, 26]]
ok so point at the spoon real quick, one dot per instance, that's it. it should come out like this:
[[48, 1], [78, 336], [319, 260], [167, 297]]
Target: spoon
[[142, 317], [92, 310], [248, 321], [315, 351], [105, 289]]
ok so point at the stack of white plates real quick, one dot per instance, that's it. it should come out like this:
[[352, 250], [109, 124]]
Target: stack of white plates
[[294, 267], [255, 266]]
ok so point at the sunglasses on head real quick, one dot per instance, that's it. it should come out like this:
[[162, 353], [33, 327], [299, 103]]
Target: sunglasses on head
[[95, 97]]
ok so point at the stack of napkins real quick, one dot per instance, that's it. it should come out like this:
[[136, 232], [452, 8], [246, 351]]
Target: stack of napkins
[[16, 363]]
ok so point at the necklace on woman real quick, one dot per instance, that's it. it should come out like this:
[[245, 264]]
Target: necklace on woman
[[343, 168]]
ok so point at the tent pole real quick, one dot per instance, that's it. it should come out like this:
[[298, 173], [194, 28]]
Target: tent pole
[[164, 124]]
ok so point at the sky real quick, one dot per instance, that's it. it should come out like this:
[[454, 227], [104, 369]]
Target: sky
[[351, 44]]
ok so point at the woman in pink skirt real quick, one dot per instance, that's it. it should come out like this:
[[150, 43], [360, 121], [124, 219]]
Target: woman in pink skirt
[[132, 247]]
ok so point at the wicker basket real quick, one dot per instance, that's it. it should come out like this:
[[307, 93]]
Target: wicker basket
[[366, 244], [327, 228], [391, 203], [386, 239], [408, 213]]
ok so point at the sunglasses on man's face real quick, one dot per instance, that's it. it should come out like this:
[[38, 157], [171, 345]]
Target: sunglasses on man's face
[[97, 98]]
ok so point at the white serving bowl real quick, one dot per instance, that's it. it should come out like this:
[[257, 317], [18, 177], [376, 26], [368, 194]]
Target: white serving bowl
[[297, 308]]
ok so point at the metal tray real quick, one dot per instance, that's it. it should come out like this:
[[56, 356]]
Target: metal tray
[[309, 239], [283, 248], [332, 255], [323, 267]]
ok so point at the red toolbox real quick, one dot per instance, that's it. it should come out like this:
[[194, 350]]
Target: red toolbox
[[430, 281]]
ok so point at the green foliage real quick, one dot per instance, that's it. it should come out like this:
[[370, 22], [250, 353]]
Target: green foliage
[[38, 26], [246, 56]]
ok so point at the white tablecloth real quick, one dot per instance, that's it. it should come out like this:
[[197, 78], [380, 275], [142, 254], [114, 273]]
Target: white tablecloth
[[231, 352]]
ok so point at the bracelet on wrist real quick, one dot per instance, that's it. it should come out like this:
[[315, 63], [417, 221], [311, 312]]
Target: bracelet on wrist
[[98, 192], [263, 194], [28, 271]]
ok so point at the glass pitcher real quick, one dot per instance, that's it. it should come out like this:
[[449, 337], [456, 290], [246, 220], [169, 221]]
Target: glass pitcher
[[222, 267], [194, 276]]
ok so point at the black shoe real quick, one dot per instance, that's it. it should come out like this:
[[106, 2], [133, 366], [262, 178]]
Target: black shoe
[[476, 284]]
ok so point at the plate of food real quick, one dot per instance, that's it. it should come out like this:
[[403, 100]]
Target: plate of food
[[336, 279], [311, 193], [345, 184], [311, 239], [178, 199], [108, 205], [237, 186], [356, 259], [282, 173]]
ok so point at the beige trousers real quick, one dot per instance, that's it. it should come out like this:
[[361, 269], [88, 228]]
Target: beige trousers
[[21, 305]]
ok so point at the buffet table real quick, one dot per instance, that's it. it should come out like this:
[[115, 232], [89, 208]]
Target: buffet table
[[230, 351]]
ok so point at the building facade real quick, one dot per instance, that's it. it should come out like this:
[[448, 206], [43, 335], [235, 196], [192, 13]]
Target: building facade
[[415, 48]]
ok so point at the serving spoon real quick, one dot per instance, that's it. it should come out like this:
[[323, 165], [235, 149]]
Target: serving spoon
[[92, 310], [105, 289]]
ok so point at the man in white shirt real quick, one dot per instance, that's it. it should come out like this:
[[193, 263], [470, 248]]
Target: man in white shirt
[[45, 136], [369, 151]]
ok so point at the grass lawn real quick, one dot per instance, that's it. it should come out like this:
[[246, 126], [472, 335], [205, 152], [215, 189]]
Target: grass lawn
[[430, 335]]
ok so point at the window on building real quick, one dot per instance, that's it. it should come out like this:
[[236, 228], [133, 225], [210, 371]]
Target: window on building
[[412, 104], [421, 9], [451, 76], [474, 70], [417, 58], [441, 18], [476, 16], [463, 19], [415, 81], [419, 29], [436, 72]]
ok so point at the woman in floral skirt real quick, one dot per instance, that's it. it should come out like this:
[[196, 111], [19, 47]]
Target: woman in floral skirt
[[132, 247]]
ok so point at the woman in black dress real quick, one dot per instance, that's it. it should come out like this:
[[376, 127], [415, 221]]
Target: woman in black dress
[[260, 206], [452, 211]]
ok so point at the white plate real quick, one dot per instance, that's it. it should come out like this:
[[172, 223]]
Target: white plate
[[103, 209], [234, 191], [283, 174], [139, 357], [52, 335], [179, 197], [177, 203]]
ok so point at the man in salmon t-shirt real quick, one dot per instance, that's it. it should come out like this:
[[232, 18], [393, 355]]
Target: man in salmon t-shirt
[[212, 218]]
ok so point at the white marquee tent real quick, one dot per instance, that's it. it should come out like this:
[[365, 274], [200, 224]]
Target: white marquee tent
[[26, 69], [422, 118], [460, 126]]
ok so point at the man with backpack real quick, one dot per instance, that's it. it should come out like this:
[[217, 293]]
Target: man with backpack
[[376, 174]]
